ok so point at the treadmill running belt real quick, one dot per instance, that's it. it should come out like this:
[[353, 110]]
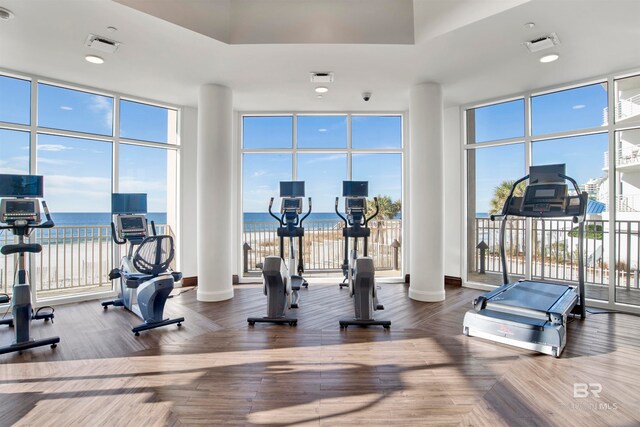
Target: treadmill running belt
[[532, 295]]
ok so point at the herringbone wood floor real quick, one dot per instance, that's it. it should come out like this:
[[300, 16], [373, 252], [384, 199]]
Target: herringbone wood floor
[[217, 370]]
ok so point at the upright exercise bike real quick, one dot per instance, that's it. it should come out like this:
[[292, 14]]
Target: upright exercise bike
[[21, 214], [145, 277], [359, 272], [280, 286]]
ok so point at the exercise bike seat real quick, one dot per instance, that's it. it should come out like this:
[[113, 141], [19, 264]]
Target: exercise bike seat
[[21, 248]]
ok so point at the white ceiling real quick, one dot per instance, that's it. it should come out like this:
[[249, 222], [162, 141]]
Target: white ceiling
[[472, 47]]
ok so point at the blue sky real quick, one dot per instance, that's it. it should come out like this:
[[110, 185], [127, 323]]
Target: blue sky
[[568, 110], [323, 172], [78, 172]]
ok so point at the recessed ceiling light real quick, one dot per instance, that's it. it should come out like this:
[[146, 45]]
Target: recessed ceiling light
[[322, 89], [112, 29], [94, 59], [530, 24], [549, 58], [6, 14]]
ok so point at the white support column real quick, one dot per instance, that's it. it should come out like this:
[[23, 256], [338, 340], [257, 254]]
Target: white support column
[[426, 263], [215, 182]]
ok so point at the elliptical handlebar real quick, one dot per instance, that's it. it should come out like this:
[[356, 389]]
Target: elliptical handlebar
[[346, 223], [375, 214], [272, 214], [307, 214]]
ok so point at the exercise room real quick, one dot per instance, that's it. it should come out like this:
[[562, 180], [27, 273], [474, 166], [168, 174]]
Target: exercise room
[[319, 212]]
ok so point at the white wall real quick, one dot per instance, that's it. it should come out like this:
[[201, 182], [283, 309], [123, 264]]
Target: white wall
[[188, 196], [452, 193]]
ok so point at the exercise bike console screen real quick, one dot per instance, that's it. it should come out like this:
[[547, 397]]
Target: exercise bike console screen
[[291, 188], [132, 226], [21, 186], [128, 203], [355, 188], [18, 209]]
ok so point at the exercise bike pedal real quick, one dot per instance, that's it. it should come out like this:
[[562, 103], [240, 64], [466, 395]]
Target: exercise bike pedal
[[294, 305], [380, 307]]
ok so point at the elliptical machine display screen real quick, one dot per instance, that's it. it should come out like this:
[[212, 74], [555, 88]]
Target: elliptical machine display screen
[[355, 188], [291, 188], [292, 205], [355, 204]]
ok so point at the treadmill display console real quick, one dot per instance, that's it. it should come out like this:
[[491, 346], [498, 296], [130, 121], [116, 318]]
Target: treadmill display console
[[545, 198]]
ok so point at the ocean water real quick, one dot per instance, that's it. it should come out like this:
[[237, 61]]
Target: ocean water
[[96, 218]]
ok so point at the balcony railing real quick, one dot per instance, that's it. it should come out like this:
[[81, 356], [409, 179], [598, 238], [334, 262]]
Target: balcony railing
[[323, 245], [74, 260], [625, 108], [555, 244]]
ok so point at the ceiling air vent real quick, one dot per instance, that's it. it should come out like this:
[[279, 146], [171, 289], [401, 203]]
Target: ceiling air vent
[[321, 77], [542, 43], [102, 44]]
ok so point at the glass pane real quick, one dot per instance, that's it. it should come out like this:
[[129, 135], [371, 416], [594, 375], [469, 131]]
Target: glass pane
[[148, 123], [572, 109], [14, 152], [267, 132], [323, 175], [148, 170], [384, 173], [555, 241], [376, 131], [322, 131], [627, 99], [491, 173], [68, 109], [627, 186], [494, 122], [15, 100], [77, 186], [261, 176]]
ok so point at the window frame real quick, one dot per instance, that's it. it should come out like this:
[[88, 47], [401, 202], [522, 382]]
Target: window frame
[[34, 130], [240, 150], [610, 128]]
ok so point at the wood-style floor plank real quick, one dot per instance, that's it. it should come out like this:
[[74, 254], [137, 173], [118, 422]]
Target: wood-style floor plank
[[217, 370]]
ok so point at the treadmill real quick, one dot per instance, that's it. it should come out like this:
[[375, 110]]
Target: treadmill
[[533, 314]]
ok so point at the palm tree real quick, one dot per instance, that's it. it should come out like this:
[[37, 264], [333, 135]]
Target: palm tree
[[501, 192], [388, 208]]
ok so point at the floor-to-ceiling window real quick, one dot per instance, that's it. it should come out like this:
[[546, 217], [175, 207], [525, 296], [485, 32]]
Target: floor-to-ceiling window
[[322, 150], [87, 144], [579, 126]]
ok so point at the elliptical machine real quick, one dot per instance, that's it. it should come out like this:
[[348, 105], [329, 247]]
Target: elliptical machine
[[359, 272], [21, 213], [280, 286], [145, 277]]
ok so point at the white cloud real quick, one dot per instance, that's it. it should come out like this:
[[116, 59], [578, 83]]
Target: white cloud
[[53, 147], [322, 130], [66, 108], [103, 106], [579, 107]]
